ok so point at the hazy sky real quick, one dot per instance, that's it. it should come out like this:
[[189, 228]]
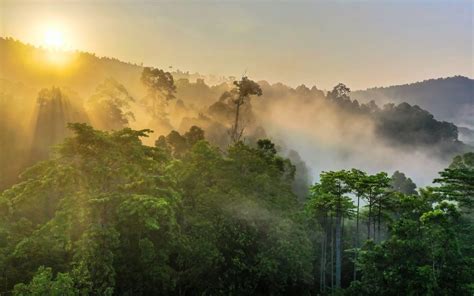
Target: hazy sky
[[360, 43]]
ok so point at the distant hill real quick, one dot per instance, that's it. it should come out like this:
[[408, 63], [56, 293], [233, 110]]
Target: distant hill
[[81, 71], [450, 99]]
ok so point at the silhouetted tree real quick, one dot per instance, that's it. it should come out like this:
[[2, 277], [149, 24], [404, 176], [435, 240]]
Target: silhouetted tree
[[244, 89], [400, 183], [108, 104], [161, 88]]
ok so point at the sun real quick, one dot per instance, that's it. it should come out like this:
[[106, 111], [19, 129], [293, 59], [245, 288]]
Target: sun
[[53, 38], [57, 53]]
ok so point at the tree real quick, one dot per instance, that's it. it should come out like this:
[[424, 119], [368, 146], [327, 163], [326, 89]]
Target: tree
[[457, 181], [242, 92], [239, 219], [301, 183], [333, 186], [43, 283], [421, 257], [412, 126], [375, 190], [72, 207], [194, 135], [161, 89], [356, 180], [319, 207], [339, 92], [108, 104], [457, 185], [177, 144], [55, 110], [400, 183], [123, 218]]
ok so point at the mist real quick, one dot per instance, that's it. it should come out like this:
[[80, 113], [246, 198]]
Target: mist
[[124, 171], [327, 134], [329, 138]]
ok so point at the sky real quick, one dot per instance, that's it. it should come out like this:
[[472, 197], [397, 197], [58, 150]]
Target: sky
[[360, 43]]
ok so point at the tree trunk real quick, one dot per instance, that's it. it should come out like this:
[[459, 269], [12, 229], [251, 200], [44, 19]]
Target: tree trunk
[[322, 263], [332, 254], [325, 255], [357, 238], [338, 249], [375, 222], [379, 218], [235, 132], [368, 219]]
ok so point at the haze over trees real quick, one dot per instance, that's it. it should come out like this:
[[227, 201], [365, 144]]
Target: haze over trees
[[108, 215], [449, 99], [220, 200], [110, 106]]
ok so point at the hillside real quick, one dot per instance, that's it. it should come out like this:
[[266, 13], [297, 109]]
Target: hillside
[[77, 70], [41, 91], [450, 99]]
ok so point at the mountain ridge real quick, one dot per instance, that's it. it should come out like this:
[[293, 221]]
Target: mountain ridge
[[416, 82], [206, 77], [450, 99]]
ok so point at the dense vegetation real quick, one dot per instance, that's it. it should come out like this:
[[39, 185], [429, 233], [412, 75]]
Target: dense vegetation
[[213, 206], [447, 98], [108, 215], [116, 95]]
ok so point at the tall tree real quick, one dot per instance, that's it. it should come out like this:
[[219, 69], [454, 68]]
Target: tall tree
[[356, 180], [319, 206], [457, 181], [161, 88], [244, 88], [339, 92], [178, 144], [457, 184], [375, 189], [109, 107], [400, 183], [54, 111], [335, 186], [421, 257]]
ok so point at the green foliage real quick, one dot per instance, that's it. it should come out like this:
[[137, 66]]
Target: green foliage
[[176, 144], [237, 217], [123, 218], [400, 183], [109, 104], [421, 257], [411, 125], [160, 89], [107, 215], [157, 80], [43, 283], [68, 210], [247, 87], [55, 108], [457, 181], [244, 88]]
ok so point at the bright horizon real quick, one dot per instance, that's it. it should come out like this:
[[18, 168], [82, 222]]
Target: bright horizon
[[297, 43]]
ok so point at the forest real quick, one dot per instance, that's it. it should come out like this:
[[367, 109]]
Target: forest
[[159, 182]]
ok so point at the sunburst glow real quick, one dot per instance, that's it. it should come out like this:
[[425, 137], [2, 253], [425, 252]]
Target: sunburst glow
[[53, 38]]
